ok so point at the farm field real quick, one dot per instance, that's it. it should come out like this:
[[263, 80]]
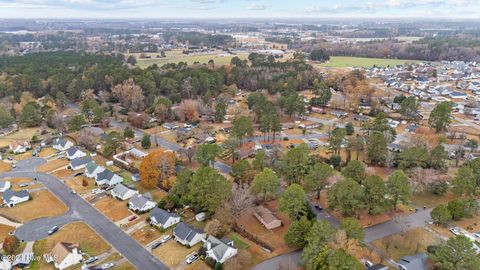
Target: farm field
[[344, 61], [176, 56]]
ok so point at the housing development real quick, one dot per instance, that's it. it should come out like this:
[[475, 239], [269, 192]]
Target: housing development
[[314, 143]]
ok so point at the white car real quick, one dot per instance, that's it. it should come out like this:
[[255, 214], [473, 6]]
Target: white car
[[165, 238], [96, 191], [192, 258], [455, 230], [107, 265], [477, 234]]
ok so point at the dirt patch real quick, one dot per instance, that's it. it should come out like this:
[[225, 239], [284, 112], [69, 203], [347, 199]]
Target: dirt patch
[[5, 167], [173, 253], [4, 231], [77, 232], [42, 204], [52, 165], [409, 243], [147, 234], [112, 208]]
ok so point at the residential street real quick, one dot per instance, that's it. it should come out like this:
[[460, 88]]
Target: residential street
[[80, 210]]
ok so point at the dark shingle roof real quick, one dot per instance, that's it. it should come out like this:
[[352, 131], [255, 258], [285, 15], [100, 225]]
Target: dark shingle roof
[[161, 216], [8, 194], [185, 232], [80, 161]]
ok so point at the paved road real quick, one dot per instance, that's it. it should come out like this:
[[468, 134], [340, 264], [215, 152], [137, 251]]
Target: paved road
[[81, 210]]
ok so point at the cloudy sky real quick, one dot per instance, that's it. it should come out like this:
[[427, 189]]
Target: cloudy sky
[[159, 9]]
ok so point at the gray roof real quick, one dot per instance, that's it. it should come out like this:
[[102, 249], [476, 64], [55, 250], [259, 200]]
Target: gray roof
[[3, 184], [138, 201], [91, 167], [8, 194], [161, 216], [219, 247], [120, 189], [185, 232], [60, 141], [72, 150], [80, 161], [105, 175], [415, 262]]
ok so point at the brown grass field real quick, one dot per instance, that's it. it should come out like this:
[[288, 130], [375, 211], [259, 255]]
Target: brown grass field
[[5, 167], [52, 165], [43, 204], [173, 253], [4, 231], [114, 209], [147, 234]]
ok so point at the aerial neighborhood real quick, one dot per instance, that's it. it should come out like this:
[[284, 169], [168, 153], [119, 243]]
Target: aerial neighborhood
[[250, 145]]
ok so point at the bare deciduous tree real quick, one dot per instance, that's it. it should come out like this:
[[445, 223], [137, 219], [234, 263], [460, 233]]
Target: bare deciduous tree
[[87, 139], [130, 95]]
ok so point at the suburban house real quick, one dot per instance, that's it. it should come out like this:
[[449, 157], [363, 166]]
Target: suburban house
[[4, 185], [12, 198], [23, 260], [107, 177], [79, 163], [188, 236], [395, 147], [415, 262], [64, 255], [266, 217], [92, 170], [219, 249], [61, 144], [140, 203], [170, 126], [122, 192], [19, 147], [73, 153], [163, 219]]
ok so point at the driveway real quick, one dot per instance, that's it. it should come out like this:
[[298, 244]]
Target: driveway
[[80, 210]]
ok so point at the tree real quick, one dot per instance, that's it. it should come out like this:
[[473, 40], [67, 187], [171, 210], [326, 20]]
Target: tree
[[87, 139], [6, 118], [208, 189], [462, 208], [317, 177], [438, 156], [334, 259], [188, 152], [241, 171], [241, 199], [128, 133], [230, 147], [206, 153], [319, 55], [336, 140], [266, 184], [61, 99], [146, 141], [112, 143], [441, 116], [156, 168], [76, 122], [11, 244], [260, 161], [181, 186], [293, 202], [292, 103], [413, 157], [323, 95], [241, 127], [240, 261], [346, 196], [398, 187], [216, 228], [464, 183], [377, 148], [294, 164], [409, 108], [31, 114], [319, 235], [441, 215], [352, 228], [349, 128], [130, 95], [355, 171], [457, 253], [220, 110], [375, 191], [297, 232]]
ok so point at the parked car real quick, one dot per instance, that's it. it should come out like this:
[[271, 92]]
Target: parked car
[[192, 258], [107, 265], [91, 260], [53, 230], [455, 230], [14, 165], [96, 191], [23, 185], [318, 207], [477, 235], [78, 174], [132, 218], [73, 192], [10, 158], [156, 244], [165, 238]]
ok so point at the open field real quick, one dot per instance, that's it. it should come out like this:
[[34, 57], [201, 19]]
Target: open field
[[176, 56], [42, 204], [344, 61], [112, 208], [52, 165], [24, 134], [77, 232], [409, 243]]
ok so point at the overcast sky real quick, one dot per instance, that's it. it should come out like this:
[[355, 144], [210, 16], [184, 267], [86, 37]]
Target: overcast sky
[[159, 9]]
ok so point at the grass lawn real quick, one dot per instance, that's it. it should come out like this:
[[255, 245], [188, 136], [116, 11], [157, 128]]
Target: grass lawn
[[344, 61], [237, 241], [409, 243], [77, 232], [17, 181], [148, 234], [431, 200], [52, 165], [124, 266], [42, 204], [114, 209], [23, 134], [76, 184], [173, 253], [112, 257], [5, 167], [46, 152], [4, 230]]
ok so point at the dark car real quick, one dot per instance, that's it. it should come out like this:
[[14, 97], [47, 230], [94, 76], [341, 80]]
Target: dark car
[[132, 218], [318, 207], [156, 244]]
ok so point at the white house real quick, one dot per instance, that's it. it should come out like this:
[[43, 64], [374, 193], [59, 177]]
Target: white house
[[12, 198], [92, 170], [122, 192], [19, 147], [106, 177], [73, 153], [61, 144], [188, 236], [4, 185], [163, 219], [64, 255], [140, 203], [5, 264], [219, 249], [79, 163]]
